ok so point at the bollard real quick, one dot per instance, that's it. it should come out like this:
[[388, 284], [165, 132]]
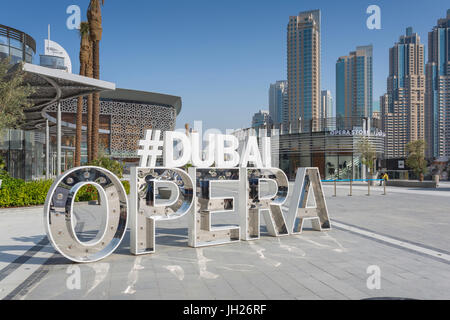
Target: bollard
[[384, 187], [351, 185], [368, 187], [334, 188]]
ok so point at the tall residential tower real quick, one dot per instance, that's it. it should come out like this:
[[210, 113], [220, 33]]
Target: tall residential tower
[[278, 102], [354, 84], [261, 118], [437, 103], [326, 104], [403, 106], [303, 68]]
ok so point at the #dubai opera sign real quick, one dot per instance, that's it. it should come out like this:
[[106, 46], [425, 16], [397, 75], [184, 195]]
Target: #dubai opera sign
[[190, 194]]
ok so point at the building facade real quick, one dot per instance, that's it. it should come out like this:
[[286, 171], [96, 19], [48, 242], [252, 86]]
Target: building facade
[[278, 102], [18, 148], [261, 118], [16, 45], [404, 105], [124, 114], [303, 63], [326, 104], [437, 103], [354, 83], [55, 57], [334, 151]]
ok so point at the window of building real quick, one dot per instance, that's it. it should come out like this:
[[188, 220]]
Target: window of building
[[3, 40], [15, 43]]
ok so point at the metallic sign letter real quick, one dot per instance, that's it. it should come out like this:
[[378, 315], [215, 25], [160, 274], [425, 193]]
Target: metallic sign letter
[[252, 202], [298, 210], [169, 138], [226, 154], [251, 153], [200, 231], [200, 157], [146, 203], [59, 215]]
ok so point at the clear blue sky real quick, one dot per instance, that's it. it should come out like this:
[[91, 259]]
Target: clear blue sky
[[221, 55]]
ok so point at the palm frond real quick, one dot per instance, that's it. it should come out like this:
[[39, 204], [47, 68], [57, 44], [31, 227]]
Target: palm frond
[[84, 28]]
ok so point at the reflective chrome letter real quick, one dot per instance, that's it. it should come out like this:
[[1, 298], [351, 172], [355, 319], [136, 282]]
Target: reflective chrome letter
[[58, 214], [200, 231], [251, 202], [298, 210], [146, 205]]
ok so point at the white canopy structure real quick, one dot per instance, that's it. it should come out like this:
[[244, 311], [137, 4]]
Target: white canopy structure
[[51, 86]]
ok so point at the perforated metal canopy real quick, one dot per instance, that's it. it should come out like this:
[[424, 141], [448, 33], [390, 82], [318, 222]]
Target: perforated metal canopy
[[51, 86]]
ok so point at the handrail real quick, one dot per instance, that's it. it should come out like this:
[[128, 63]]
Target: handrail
[[352, 180], [351, 185]]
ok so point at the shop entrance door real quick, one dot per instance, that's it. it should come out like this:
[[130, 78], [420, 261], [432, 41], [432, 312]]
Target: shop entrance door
[[318, 161]]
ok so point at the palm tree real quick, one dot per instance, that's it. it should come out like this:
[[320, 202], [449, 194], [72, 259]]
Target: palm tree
[[85, 48], [95, 23], [90, 74]]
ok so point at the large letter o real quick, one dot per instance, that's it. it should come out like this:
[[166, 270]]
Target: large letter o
[[58, 214]]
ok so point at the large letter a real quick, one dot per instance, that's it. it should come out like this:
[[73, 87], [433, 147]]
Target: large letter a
[[307, 180]]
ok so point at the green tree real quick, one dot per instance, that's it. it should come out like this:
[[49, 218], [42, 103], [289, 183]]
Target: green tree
[[13, 95], [368, 154], [2, 164], [109, 164], [416, 157]]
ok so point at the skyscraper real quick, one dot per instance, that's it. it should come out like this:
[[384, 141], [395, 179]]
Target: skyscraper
[[354, 84], [403, 106], [261, 118], [437, 102], [326, 104], [278, 100], [303, 64]]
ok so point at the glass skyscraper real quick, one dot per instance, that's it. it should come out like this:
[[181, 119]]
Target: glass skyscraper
[[303, 64], [278, 100], [354, 84], [437, 106], [261, 118], [326, 104]]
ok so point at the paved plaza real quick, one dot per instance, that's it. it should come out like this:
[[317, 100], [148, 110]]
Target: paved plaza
[[404, 233]]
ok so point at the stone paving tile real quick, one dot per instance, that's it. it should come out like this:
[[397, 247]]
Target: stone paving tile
[[322, 290], [313, 265], [242, 285]]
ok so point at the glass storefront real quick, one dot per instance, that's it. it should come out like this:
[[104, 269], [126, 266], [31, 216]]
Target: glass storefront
[[336, 156], [23, 153], [331, 166]]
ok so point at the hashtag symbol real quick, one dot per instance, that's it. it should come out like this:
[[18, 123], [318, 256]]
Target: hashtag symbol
[[150, 148]]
